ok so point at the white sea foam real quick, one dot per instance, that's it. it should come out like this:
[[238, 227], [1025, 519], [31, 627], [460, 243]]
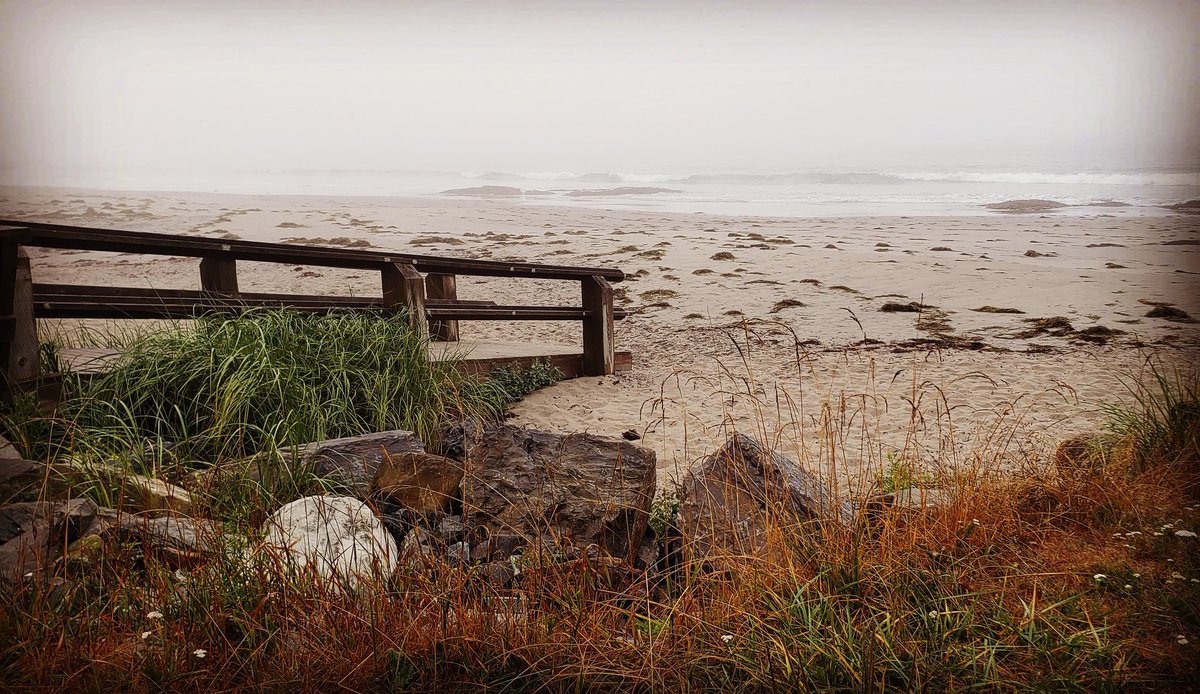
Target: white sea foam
[[1102, 179], [1190, 178]]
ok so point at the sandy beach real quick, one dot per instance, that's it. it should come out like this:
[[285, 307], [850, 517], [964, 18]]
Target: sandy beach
[[768, 325]]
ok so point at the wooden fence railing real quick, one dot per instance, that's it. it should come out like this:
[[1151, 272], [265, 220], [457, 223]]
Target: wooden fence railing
[[430, 300]]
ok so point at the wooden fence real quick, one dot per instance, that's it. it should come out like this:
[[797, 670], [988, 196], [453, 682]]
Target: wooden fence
[[422, 286]]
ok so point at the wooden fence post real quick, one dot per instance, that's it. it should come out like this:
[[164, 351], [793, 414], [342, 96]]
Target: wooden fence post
[[23, 357], [10, 298], [219, 275], [403, 286], [444, 287], [599, 350]]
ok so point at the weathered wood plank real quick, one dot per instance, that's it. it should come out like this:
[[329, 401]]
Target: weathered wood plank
[[599, 347], [49, 235], [442, 287]]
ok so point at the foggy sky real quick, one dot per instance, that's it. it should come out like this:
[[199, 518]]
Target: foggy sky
[[598, 86]]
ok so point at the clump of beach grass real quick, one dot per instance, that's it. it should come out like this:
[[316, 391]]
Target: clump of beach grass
[[222, 387]]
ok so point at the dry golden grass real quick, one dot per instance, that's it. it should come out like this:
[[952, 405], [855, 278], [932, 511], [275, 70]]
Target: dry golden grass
[[1031, 577]]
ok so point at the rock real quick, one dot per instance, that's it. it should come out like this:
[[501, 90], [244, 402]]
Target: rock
[[336, 539], [498, 574], [178, 540], [450, 528], [630, 435], [485, 191], [498, 546], [421, 481], [417, 547], [586, 489], [73, 518], [458, 553], [647, 556], [351, 461], [20, 480], [727, 499], [8, 451], [18, 518], [1082, 453], [150, 494], [355, 460], [25, 529]]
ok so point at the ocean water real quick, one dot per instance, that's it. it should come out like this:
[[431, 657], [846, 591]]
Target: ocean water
[[759, 193]]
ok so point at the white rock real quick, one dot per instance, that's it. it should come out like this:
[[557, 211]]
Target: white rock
[[338, 537]]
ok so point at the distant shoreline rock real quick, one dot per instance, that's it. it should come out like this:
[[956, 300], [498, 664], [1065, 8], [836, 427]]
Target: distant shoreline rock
[[1027, 205], [1191, 207], [486, 191], [624, 190]]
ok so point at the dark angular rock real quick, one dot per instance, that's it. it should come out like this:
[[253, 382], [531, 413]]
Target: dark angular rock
[[729, 498], [355, 460], [541, 486], [351, 461]]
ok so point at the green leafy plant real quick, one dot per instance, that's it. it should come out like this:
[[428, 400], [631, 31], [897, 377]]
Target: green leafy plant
[[513, 383]]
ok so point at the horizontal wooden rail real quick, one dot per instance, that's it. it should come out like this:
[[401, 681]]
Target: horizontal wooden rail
[[117, 241], [430, 302]]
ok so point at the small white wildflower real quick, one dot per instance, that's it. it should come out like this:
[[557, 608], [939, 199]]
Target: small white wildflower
[[1127, 545], [727, 638], [154, 614], [1181, 641], [1169, 581], [1134, 532], [199, 652], [933, 614], [974, 521], [1116, 534], [1158, 534], [1137, 575], [1128, 587], [1195, 580], [29, 574], [1170, 561], [145, 635], [1099, 577], [1176, 574], [1184, 533]]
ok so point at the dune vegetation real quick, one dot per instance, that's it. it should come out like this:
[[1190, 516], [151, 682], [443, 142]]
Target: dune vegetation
[[1080, 573]]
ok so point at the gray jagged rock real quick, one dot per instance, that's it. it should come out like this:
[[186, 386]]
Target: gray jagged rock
[[729, 499]]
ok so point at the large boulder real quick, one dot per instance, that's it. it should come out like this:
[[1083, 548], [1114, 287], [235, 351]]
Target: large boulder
[[421, 482], [336, 539], [545, 488], [731, 499]]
